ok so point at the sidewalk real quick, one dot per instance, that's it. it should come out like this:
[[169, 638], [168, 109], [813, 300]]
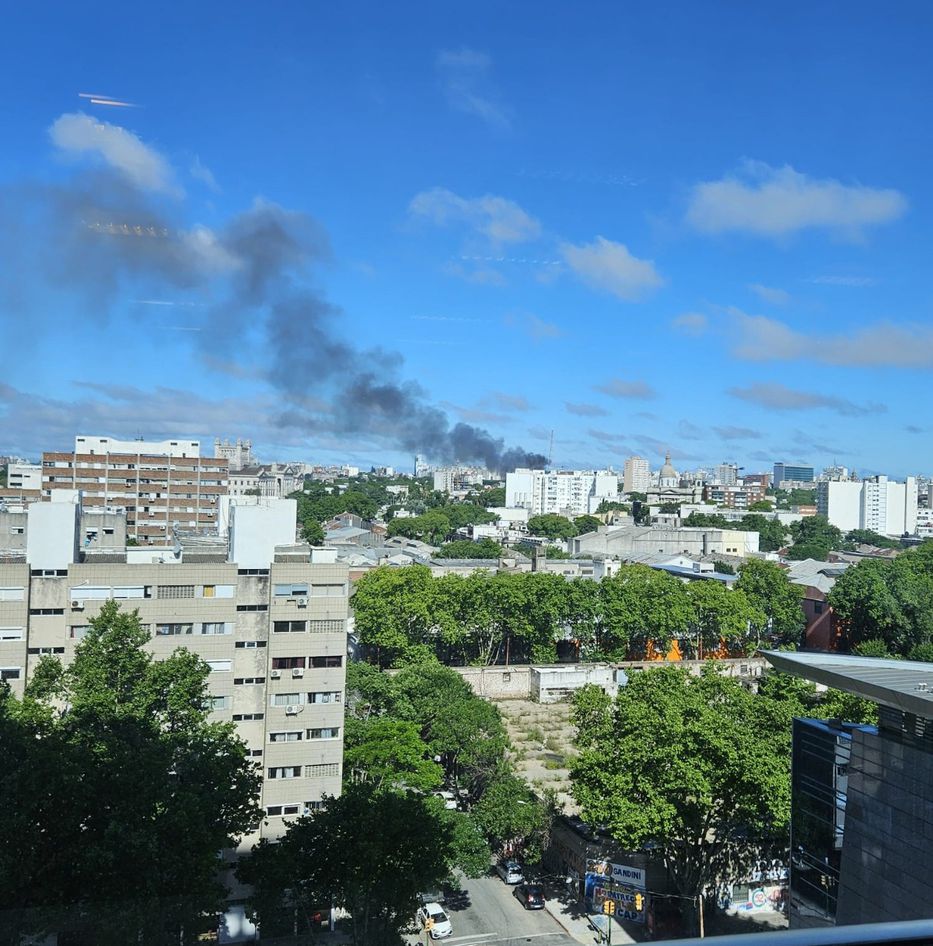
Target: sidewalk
[[572, 916]]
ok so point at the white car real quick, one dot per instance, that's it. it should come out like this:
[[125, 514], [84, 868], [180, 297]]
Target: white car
[[431, 917], [449, 799], [510, 871]]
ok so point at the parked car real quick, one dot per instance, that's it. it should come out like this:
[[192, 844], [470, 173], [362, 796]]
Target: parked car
[[433, 918], [431, 896], [530, 896], [449, 799], [510, 871]]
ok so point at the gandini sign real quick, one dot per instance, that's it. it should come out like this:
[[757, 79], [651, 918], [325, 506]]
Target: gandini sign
[[620, 873]]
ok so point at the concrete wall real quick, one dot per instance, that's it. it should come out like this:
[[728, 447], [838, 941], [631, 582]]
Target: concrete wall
[[553, 684], [498, 683]]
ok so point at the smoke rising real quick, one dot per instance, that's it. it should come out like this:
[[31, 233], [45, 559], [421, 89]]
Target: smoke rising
[[99, 235]]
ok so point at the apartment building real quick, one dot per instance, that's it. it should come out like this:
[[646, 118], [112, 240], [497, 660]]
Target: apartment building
[[733, 497], [636, 475], [879, 504], [268, 616], [789, 475], [565, 492], [159, 484]]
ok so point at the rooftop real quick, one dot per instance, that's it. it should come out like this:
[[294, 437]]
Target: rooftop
[[905, 685]]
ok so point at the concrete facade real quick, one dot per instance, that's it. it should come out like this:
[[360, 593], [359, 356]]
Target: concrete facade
[[879, 504], [565, 492], [633, 541]]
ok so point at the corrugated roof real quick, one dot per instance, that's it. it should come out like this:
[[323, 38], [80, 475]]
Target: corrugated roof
[[905, 685]]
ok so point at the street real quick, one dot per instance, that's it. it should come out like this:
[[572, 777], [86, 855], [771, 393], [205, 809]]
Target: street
[[488, 914]]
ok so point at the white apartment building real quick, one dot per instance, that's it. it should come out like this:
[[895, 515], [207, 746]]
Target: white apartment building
[[636, 477], [565, 492], [268, 616], [879, 504], [24, 476], [169, 448]]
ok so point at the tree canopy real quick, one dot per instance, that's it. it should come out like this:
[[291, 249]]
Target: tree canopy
[[771, 533], [113, 763], [768, 590], [469, 548], [551, 526]]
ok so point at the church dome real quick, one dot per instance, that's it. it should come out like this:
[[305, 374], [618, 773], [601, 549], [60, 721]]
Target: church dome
[[667, 470]]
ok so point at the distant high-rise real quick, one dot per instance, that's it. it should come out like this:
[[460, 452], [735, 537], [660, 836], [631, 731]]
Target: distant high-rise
[[878, 503], [636, 477], [567, 492], [792, 473]]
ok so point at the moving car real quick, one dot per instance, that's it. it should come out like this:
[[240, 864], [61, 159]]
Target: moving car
[[530, 896], [431, 917], [510, 871]]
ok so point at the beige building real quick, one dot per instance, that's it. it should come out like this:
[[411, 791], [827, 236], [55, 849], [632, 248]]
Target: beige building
[[158, 484], [269, 617]]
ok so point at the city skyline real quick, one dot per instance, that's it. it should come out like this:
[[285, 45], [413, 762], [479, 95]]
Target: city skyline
[[638, 231]]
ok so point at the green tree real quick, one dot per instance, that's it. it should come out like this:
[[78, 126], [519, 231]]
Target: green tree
[[492, 496], [608, 505], [369, 852], [761, 505], [722, 614], [723, 568], [669, 509], [814, 537], [512, 817], [470, 851], [770, 592], [865, 598], [692, 769], [431, 527], [389, 753], [771, 534], [313, 532], [551, 526], [584, 524], [868, 537], [113, 763]]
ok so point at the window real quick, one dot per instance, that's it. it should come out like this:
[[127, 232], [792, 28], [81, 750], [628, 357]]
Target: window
[[286, 699], [818, 607], [218, 703], [133, 591], [12, 594], [313, 806], [250, 645], [252, 571], [175, 591], [328, 591], [78, 631], [291, 591], [255, 753], [219, 666], [168, 630], [247, 717], [325, 770], [9, 673], [292, 809], [285, 627], [248, 681], [288, 663], [207, 591], [216, 627], [252, 607], [288, 736], [12, 633], [284, 771], [325, 696], [45, 650], [326, 662], [327, 627], [48, 572], [332, 732], [46, 610]]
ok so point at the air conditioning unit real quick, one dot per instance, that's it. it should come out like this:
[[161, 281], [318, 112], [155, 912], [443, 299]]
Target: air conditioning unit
[[292, 710], [301, 602], [298, 671], [77, 605], [275, 674]]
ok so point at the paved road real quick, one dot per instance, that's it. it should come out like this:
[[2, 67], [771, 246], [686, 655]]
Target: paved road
[[489, 915]]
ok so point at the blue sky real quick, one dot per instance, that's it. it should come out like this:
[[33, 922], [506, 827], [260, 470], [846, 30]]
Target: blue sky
[[702, 227]]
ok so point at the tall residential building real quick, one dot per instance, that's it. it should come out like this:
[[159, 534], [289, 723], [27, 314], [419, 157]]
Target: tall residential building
[[792, 473], [636, 477], [563, 492], [727, 474], [238, 454], [877, 503], [268, 616], [158, 483], [861, 796]]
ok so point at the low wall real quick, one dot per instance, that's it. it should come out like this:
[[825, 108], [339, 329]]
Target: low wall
[[498, 683]]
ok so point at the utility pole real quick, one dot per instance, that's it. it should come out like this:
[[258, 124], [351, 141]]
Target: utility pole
[[700, 907]]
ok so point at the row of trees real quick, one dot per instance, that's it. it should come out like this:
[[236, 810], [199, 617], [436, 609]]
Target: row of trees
[[696, 769], [405, 613], [372, 850]]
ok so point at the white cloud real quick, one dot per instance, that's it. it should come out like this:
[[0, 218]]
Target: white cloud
[[610, 267], [510, 402], [779, 397], [770, 294], [762, 339], [78, 134], [776, 202], [465, 75], [585, 410], [617, 387], [691, 323], [737, 433], [856, 281], [204, 174], [499, 220], [537, 329]]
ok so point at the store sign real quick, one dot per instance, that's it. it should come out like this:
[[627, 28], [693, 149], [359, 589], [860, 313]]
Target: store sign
[[619, 873]]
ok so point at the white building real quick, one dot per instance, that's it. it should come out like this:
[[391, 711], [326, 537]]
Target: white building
[[879, 504], [637, 541], [451, 479], [636, 477], [168, 448], [727, 474], [668, 477], [238, 455], [24, 476], [565, 492]]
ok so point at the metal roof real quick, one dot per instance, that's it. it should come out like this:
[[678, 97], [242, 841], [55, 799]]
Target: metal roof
[[905, 685]]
